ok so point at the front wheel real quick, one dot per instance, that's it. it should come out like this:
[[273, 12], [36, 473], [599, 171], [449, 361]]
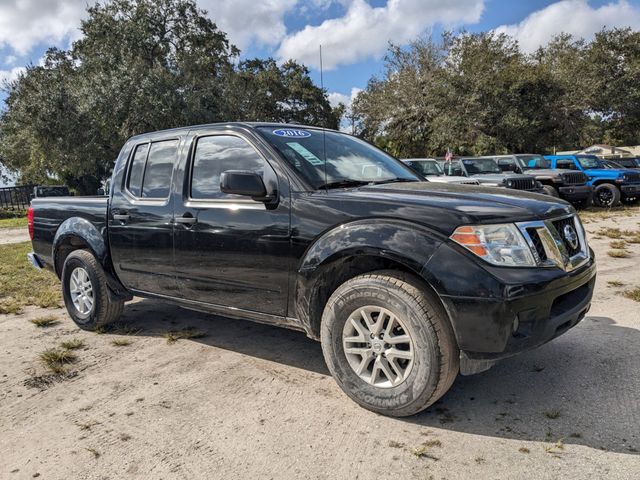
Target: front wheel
[[549, 190], [388, 343], [606, 195], [86, 294]]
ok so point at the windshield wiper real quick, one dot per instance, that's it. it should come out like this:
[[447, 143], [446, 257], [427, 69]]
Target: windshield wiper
[[343, 184], [395, 180]]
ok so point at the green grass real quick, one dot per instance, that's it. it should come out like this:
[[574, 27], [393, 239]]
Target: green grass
[[16, 222], [21, 284]]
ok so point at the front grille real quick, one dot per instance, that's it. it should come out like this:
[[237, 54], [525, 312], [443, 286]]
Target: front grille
[[633, 177], [574, 178], [470, 182], [522, 183], [537, 243], [566, 229]]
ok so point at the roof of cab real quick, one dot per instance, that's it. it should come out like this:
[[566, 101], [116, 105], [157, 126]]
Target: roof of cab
[[183, 130]]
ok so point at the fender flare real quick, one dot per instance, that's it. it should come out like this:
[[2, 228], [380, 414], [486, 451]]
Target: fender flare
[[400, 242], [78, 227]]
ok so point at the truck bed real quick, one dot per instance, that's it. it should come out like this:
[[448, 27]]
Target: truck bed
[[50, 212]]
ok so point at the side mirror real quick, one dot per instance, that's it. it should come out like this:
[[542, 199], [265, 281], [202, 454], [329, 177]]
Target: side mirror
[[100, 191], [243, 182]]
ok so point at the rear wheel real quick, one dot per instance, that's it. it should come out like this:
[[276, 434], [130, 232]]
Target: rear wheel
[[388, 343], [86, 294], [606, 195], [549, 190]]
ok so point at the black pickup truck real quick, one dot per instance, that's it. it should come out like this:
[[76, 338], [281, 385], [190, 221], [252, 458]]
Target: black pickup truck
[[406, 283]]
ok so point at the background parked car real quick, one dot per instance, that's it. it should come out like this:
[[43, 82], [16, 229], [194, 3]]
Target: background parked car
[[570, 185], [488, 173], [432, 171], [610, 185]]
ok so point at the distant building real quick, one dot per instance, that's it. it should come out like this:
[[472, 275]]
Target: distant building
[[607, 151]]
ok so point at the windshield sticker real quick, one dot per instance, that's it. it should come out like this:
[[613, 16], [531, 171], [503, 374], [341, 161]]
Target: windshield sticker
[[291, 133], [306, 154]]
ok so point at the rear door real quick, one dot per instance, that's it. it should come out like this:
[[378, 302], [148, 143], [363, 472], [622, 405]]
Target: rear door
[[141, 217], [230, 250]]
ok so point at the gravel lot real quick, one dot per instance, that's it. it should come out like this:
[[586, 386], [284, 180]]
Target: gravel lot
[[253, 401]]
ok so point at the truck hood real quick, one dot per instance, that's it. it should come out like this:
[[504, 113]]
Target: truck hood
[[498, 178], [451, 179], [445, 206], [546, 172]]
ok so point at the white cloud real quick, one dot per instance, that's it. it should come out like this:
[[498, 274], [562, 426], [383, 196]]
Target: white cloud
[[335, 97], [10, 75], [247, 21], [26, 23], [364, 31], [576, 17], [10, 59]]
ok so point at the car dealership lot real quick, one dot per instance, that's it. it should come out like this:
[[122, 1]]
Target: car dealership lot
[[248, 400]]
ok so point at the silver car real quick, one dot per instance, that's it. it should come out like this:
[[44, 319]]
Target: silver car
[[432, 171]]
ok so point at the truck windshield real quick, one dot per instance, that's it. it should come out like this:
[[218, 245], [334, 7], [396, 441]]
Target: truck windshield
[[535, 162], [349, 161], [481, 165], [590, 161], [426, 167]]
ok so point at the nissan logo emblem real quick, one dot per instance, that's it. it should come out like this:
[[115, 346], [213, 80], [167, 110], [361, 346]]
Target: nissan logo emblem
[[570, 236]]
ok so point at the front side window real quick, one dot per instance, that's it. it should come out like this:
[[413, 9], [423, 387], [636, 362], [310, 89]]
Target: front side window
[[335, 159], [216, 154], [536, 162], [426, 167], [589, 161]]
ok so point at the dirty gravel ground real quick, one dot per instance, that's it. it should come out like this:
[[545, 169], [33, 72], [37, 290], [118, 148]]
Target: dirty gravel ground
[[254, 401]]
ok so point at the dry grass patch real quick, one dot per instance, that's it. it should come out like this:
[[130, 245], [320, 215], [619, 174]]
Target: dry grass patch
[[615, 283], [186, 333], [633, 294], [55, 359], [618, 244], [618, 254], [46, 321], [121, 342], [21, 284], [73, 344], [552, 414]]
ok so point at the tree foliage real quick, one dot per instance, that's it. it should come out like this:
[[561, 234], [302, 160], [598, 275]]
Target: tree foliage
[[479, 94], [140, 65]]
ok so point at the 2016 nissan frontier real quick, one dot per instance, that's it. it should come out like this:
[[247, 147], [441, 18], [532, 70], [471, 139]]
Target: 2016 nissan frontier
[[405, 282]]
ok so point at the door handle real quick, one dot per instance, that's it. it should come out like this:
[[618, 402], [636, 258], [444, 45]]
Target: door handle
[[186, 220], [120, 217]]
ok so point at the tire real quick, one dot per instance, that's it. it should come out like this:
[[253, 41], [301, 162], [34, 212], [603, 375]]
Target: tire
[[606, 196], [551, 191], [435, 363], [586, 203], [105, 307]]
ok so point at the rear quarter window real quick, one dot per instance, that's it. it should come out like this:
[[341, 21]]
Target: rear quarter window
[[151, 169]]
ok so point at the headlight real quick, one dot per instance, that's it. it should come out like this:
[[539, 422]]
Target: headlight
[[501, 245], [509, 183]]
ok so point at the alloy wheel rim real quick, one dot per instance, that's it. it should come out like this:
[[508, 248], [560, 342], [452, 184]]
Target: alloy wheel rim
[[378, 346], [81, 291], [605, 197]]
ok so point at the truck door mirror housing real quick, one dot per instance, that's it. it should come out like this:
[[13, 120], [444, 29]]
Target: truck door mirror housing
[[243, 182]]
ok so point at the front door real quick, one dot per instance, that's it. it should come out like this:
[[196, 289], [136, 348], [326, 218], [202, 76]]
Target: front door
[[230, 250]]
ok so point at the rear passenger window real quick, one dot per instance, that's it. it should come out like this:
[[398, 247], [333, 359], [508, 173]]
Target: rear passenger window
[[157, 175], [134, 183], [216, 154], [151, 169]]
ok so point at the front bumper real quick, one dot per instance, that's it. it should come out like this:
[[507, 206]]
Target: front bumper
[[575, 192], [498, 312], [630, 190]]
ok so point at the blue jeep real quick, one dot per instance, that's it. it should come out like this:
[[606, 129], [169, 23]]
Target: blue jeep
[[609, 185]]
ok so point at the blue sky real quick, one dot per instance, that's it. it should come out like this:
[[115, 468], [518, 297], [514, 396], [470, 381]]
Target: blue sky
[[354, 33]]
